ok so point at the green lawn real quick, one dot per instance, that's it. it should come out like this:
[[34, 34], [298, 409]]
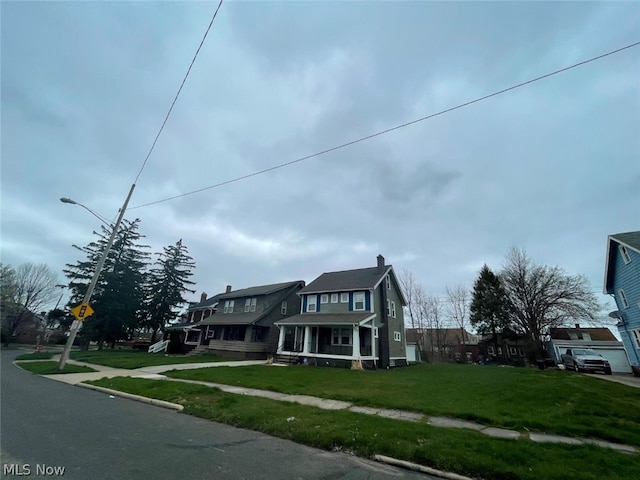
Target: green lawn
[[129, 358], [51, 368], [548, 401], [36, 356], [461, 451]]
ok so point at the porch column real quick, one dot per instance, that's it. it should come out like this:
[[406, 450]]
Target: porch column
[[280, 339], [374, 340], [307, 340], [356, 342]]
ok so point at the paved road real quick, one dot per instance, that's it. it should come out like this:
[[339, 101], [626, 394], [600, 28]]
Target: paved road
[[44, 422]]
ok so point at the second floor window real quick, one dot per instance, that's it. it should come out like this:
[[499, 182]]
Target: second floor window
[[283, 308], [626, 258], [250, 305], [324, 298], [344, 297], [393, 309], [334, 298], [228, 306], [623, 299], [358, 301], [312, 301]]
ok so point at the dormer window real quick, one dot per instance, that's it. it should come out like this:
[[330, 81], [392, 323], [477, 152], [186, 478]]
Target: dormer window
[[358, 301], [228, 306], [626, 258], [388, 280], [250, 304], [312, 303]]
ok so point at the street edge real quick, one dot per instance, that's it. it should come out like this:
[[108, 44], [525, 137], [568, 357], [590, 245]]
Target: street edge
[[419, 468], [131, 396]]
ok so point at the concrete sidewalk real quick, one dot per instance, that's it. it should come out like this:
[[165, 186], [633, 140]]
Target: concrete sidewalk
[[154, 372]]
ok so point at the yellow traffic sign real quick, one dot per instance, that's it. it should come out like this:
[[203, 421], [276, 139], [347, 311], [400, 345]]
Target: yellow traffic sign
[[82, 311]]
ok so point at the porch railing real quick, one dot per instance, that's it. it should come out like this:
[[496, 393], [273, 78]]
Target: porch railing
[[159, 346]]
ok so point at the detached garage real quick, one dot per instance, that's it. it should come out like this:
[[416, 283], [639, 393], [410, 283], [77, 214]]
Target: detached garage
[[600, 340]]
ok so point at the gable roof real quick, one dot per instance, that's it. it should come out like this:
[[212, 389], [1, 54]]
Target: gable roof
[[351, 280], [630, 240], [596, 334], [259, 290]]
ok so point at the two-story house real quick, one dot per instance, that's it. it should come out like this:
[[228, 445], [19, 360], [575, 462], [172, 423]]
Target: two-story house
[[622, 281], [351, 318], [242, 326]]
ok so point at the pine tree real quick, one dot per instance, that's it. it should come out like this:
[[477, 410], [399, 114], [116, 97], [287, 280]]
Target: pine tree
[[168, 282], [118, 299], [489, 305]]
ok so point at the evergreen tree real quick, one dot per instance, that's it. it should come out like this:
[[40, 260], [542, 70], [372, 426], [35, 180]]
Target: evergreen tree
[[118, 299], [168, 283], [489, 305]]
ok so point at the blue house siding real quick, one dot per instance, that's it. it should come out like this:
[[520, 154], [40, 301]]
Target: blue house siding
[[626, 277]]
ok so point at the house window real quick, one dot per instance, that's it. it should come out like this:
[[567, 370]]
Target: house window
[[324, 298], [388, 280], [344, 297], [228, 306], [393, 309], [283, 308], [626, 258], [397, 336], [312, 303], [341, 336], [513, 351], [235, 332], [636, 337], [623, 299], [259, 334], [375, 332], [334, 298], [250, 305], [388, 307], [358, 301], [491, 351], [499, 350], [520, 352]]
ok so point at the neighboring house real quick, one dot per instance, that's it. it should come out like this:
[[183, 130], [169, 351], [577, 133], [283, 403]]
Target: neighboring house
[[352, 318], [435, 345], [599, 339], [32, 329], [183, 337], [508, 348], [241, 326], [622, 281]]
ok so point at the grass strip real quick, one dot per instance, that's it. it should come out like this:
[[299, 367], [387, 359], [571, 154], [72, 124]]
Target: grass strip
[[131, 359], [522, 399], [460, 451], [36, 356], [51, 368]]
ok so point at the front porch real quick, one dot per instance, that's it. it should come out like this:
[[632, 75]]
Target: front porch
[[329, 345]]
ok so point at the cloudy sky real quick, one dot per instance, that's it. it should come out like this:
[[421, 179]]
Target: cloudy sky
[[553, 167]]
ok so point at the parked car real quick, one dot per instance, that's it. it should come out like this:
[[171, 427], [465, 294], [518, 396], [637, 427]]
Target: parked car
[[585, 360]]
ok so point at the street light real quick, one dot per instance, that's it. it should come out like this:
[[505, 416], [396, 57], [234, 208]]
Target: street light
[[75, 326], [95, 214]]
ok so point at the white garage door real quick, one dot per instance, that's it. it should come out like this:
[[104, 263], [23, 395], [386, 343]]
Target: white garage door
[[617, 358], [411, 353]]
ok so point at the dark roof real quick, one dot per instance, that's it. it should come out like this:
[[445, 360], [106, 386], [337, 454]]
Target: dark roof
[[447, 336], [347, 280], [233, 318], [208, 303], [596, 334], [180, 326], [326, 319], [630, 239], [260, 290]]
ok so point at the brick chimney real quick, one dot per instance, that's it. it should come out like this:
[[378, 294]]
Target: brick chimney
[[203, 297], [380, 263], [228, 290], [577, 325]]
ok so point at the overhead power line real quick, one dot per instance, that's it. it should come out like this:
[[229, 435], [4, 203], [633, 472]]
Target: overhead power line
[[178, 94], [383, 132]]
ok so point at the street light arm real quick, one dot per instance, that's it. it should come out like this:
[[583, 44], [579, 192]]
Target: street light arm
[[95, 214]]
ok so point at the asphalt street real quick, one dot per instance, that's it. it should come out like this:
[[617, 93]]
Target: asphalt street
[[47, 424]]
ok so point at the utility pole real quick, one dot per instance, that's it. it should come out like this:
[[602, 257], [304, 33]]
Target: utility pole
[[75, 326]]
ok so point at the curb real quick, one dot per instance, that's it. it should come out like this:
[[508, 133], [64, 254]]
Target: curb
[[419, 468], [131, 396]]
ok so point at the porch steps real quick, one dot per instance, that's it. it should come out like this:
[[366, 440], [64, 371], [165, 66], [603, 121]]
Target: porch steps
[[285, 359], [200, 349]]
